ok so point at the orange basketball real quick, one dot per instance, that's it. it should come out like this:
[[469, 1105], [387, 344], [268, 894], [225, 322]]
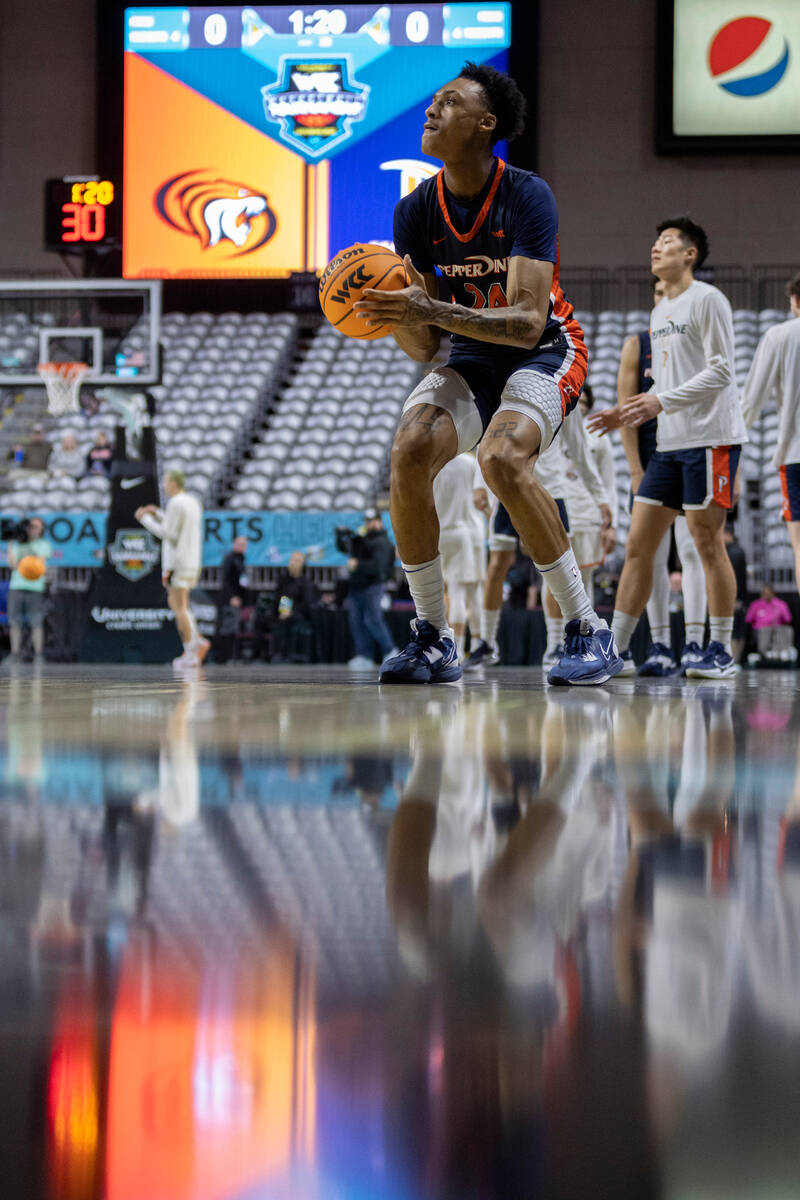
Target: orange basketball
[[31, 566], [364, 265]]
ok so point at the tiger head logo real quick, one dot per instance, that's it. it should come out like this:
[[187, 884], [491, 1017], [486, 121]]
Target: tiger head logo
[[216, 211]]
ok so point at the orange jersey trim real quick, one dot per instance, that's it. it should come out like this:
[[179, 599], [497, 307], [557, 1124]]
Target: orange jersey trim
[[721, 476], [786, 506], [481, 217]]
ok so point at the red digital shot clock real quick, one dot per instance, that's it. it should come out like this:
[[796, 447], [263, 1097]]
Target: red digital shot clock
[[80, 212]]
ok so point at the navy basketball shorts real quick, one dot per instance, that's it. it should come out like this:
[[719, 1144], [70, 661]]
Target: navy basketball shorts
[[543, 386], [690, 479], [503, 535], [790, 489]]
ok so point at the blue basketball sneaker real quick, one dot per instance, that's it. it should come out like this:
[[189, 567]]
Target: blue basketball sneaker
[[692, 653], [659, 662], [482, 655], [716, 663], [628, 667], [590, 656], [428, 658]]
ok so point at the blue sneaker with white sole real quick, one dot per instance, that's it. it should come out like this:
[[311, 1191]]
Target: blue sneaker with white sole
[[428, 658], [691, 655], [659, 662], [590, 657], [716, 663], [628, 665]]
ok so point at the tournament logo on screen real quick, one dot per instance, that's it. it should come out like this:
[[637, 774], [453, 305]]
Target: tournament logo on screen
[[216, 211], [315, 103], [748, 56]]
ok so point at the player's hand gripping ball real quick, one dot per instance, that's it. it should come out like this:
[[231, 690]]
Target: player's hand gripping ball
[[364, 265], [31, 567]]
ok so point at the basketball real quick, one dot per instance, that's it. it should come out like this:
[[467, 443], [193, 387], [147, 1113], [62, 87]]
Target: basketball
[[31, 567], [364, 265]]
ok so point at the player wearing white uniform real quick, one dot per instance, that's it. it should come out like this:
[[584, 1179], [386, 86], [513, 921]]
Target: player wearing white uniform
[[551, 472], [700, 431], [776, 370], [180, 528], [590, 540], [462, 544]]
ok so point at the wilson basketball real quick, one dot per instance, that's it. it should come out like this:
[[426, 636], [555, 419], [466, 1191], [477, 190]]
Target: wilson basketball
[[31, 567], [364, 265]]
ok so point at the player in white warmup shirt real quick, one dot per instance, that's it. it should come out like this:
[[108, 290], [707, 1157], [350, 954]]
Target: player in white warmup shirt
[[180, 527], [591, 540], [776, 369], [700, 432], [462, 544]]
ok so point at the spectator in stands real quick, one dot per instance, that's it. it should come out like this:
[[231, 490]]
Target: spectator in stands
[[772, 622], [30, 456], [371, 565], [26, 596], [98, 460], [233, 596], [67, 459], [295, 597], [233, 575], [775, 370]]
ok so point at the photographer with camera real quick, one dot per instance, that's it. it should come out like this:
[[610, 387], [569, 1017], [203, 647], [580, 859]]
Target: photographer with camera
[[370, 562], [28, 552]]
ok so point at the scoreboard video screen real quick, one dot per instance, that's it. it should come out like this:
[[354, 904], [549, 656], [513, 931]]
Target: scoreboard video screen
[[260, 141]]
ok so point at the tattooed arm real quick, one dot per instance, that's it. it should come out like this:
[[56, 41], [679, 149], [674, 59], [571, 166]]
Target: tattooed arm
[[519, 324], [420, 342]]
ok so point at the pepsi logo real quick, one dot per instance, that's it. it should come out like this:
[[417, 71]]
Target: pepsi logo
[[748, 56]]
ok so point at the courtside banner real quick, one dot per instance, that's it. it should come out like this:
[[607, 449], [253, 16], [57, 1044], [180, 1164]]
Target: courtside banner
[[79, 539]]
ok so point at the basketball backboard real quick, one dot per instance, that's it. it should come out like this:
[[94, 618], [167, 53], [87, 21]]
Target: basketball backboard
[[113, 325]]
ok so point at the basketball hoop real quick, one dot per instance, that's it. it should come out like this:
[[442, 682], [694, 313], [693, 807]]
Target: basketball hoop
[[63, 382]]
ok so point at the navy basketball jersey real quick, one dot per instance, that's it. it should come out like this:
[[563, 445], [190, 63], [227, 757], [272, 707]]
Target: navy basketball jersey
[[648, 431], [470, 242]]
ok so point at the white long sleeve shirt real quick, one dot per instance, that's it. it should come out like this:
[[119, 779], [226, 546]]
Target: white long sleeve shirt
[[453, 497], [582, 505], [570, 454], [775, 370], [180, 527], [693, 370]]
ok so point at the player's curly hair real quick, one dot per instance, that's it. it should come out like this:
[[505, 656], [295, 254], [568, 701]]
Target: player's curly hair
[[503, 99], [691, 234]]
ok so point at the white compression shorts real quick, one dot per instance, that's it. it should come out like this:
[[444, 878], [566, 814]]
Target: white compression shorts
[[530, 393]]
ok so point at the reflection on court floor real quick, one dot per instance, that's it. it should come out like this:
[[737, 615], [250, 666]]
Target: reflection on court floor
[[283, 934]]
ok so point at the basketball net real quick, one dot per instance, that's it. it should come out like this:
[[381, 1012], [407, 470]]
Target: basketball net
[[63, 382]]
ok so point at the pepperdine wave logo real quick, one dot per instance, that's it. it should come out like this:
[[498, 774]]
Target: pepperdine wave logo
[[315, 103], [748, 56], [218, 212]]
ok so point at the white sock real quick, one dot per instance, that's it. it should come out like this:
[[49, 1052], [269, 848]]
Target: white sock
[[695, 632], [490, 619], [426, 584], [658, 604], [721, 630], [564, 581], [587, 575], [555, 632], [623, 627], [694, 581]]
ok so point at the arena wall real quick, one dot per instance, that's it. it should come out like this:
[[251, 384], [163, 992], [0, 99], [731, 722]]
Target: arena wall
[[595, 136]]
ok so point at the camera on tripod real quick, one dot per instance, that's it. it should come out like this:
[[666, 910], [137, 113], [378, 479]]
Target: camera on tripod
[[348, 542]]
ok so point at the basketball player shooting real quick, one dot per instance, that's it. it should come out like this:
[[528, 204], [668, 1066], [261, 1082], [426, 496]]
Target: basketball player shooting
[[516, 366]]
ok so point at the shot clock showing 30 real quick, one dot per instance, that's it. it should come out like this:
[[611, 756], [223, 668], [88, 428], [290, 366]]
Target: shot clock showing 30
[[80, 211], [258, 141]]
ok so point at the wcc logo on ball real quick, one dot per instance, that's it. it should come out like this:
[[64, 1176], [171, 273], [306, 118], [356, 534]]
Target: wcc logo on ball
[[748, 57], [217, 212], [315, 103]]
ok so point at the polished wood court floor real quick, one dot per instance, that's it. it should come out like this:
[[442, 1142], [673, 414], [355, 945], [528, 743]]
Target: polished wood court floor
[[281, 934]]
